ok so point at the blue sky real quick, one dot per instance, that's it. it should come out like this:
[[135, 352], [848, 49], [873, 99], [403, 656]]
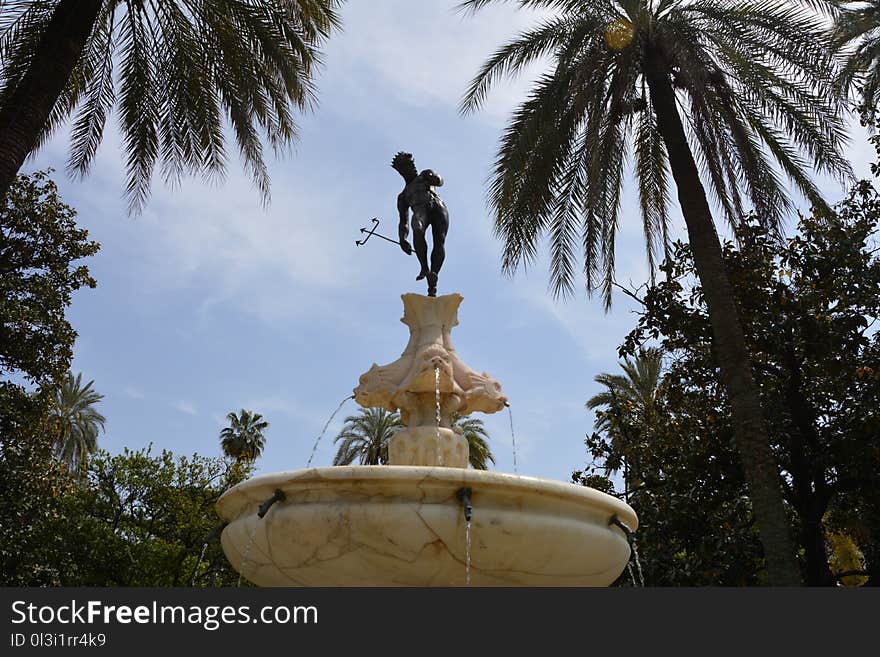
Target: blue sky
[[208, 302]]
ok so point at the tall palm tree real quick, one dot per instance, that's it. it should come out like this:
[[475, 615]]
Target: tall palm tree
[[364, 437], [472, 429], [730, 92], [244, 438], [75, 422], [176, 69], [858, 25]]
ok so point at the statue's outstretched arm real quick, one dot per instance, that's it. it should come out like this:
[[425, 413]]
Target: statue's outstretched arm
[[403, 226]]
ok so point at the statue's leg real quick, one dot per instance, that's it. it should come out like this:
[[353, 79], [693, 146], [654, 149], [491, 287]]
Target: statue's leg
[[420, 245], [439, 226]]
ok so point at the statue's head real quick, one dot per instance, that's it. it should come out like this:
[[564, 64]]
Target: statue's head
[[432, 178]]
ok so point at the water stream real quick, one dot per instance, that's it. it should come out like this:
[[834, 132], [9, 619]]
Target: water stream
[[467, 554], [512, 437], [629, 569], [439, 453], [192, 581], [324, 430], [635, 554]]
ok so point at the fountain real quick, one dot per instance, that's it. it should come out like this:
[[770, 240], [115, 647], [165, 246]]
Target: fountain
[[425, 519]]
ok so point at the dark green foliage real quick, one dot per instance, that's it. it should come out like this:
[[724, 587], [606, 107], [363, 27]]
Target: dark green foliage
[[755, 88], [810, 305], [176, 72], [244, 438], [39, 244], [134, 519], [364, 437], [857, 26], [472, 429], [33, 485], [142, 520], [74, 421]]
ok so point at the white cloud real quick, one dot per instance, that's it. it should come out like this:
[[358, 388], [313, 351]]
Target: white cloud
[[186, 407], [433, 58], [133, 393]]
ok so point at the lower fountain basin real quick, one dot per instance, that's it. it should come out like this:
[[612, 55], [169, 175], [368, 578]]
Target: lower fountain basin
[[404, 526]]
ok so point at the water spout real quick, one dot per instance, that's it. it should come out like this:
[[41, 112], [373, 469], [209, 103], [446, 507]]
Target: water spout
[[279, 496], [629, 533], [464, 496], [634, 552]]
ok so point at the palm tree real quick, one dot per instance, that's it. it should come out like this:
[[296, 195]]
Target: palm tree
[[859, 26], [472, 429], [364, 437], [634, 392], [75, 422], [628, 399], [174, 68], [738, 91], [243, 439]]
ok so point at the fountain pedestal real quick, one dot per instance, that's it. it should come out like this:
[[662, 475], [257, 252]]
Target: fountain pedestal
[[427, 385], [403, 524]]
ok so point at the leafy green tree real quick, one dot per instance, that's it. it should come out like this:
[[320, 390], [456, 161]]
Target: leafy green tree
[[364, 437], [74, 422], [33, 486], [244, 438], [174, 69], [722, 93], [39, 247], [809, 304], [858, 26], [472, 429], [141, 519]]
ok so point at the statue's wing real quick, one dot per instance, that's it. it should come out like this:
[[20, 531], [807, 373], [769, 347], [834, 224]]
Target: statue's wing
[[405, 165]]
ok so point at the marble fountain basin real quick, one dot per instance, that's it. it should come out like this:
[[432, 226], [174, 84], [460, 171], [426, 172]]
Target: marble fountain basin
[[395, 525]]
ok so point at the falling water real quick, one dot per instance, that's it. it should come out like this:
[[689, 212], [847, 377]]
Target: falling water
[[199, 563], [512, 436], [247, 551], [437, 393], [467, 554], [635, 554], [324, 430], [629, 569]]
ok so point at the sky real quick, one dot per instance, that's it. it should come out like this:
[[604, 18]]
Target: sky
[[209, 302]]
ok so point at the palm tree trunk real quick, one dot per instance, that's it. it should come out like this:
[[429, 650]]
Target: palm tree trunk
[[27, 108], [729, 342]]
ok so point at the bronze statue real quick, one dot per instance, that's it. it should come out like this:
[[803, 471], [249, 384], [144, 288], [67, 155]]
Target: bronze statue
[[428, 209]]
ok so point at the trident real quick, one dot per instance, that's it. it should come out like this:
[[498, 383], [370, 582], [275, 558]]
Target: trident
[[372, 231]]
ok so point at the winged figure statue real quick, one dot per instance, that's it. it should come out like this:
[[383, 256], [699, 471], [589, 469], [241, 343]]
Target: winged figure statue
[[428, 210]]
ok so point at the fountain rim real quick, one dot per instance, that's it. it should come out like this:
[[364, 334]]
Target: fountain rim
[[236, 500]]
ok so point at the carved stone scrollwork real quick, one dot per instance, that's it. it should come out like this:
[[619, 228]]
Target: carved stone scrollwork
[[410, 385]]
